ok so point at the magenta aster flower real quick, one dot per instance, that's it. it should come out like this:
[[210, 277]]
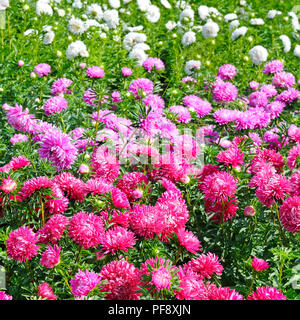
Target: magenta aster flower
[[258, 99], [249, 211], [16, 138], [194, 103], [206, 265], [8, 185], [55, 105], [84, 282], [155, 102], [274, 66], [188, 240], [95, 72], [21, 244], [283, 80], [289, 214], [254, 85], [293, 156], [86, 229], [50, 257], [227, 72], [161, 278], [155, 63], [90, 96], [288, 96], [53, 229], [4, 296], [224, 92], [123, 280], [224, 210], [225, 293], [259, 264], [181, 113], [60, 86], [42, 69], [58, 149], [117, 238], [232, 156], [141, 85], [275, 159], [275, 108], [295, 183], [269, 90], [126, 72], [267, 293], [98, 186], [45, 292]]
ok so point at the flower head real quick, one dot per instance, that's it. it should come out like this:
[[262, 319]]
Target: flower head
[[259, 264], [50, 257]]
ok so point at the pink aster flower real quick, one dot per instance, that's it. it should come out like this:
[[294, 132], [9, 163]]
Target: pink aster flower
[[194, 103], [293, 156], [98, 186], [295, 183], [188, 80], [60, 86], [155, 63], [227, 72], [19, 119], [50, 257], [224, 210], [4, 296], [84, 282], [224, 116], [269, 90], [258, 99], [86, 229], [232, 156], [259, 264], [275, 108], [16, 138], [126, 72], [53, 229], [21, 244], [45, 291], [219, 186], [289, 214], [117, 238], [90, 96], [141, 85], [249, 211], [294, 133], [283, 80], [225, 293], [8, 185], [104, 164], [56, 147], [181, 113], [274, 66], [224, 92], [254, 85], [84, 169], [146, 221], [123, 280], [288, 96], [155, 102], [267, 293], [42, 69], [95, 72], [206, 265], [161, 278], [188, 240], [267, 156], [55, 105]]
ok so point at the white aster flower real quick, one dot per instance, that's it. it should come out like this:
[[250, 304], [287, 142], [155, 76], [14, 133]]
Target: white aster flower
[[203, 12], [61, 12], [258, 54], [191, 65], [132, 38], [139, 55], [76, 26], [153, 14], [210, 29], [297, 51], [111, 17], [257, 22], [95, 11], [115, 4], [170, 25], [233, 24], [4, 4], [230, 16], [77, 4], [188, 38], [76, 49], [286, 42], [48, 37], [273, 13], [43, 8], [166, 4], [143, 4], [238, 33]]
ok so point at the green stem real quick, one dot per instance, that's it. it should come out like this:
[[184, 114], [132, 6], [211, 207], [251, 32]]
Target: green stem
[[177, 255], [252, 282], [30, 272], [64, 277], [77, 257]]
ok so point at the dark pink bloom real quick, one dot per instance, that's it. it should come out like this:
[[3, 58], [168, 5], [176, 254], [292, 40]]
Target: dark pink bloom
[[188, 240], [84, 282], [289, 214], [259, 264], [45, 292], [95, 72], [4, 296], [227, 72], [267, 293]]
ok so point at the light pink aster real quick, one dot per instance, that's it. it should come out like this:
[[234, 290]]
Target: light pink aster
[[55, 105], [42, 69], [153, 63], [95, 72], [224, 92], [126, 72], [60, 86], [273, 67], [16, 138], [4, 296], [283, 80], [195, 103], [227, 72], [181, 113], [141, 85], [8, 185]]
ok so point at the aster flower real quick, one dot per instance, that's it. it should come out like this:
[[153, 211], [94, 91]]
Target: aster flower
[[55, 105], [53, 229], [117, 238], [123, 280], [224, 293], [232, 156], [227, 72], [97, 186], [219, 186], [45, 291], [60, 86], [50, 257], [289, 214], [16, 138], [273, 67], [223, 210], [4, 296], [249, 211], [288, 96], [267, 156], [269, 90], [188, 240], [8, 185], [206, 265], [86, 229], [21, 244], [95, 72], [293, 156], [194, 103], [267, 293], [155, 63], [126, 72], [42, 69], [182, 114], [259, 264], [283, 80], [155, 102], [84, 282], [258, 99], [141, 85], [58, 149], [224, 92], [295, 183]]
